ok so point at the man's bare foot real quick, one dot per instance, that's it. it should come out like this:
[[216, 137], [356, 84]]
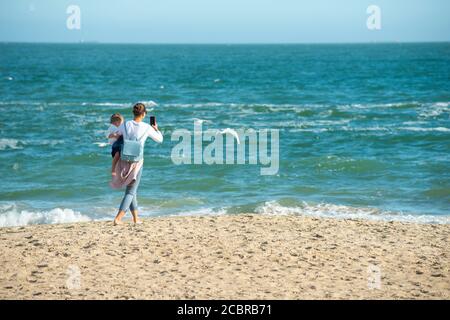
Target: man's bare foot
[[117, 222], [138, 221]]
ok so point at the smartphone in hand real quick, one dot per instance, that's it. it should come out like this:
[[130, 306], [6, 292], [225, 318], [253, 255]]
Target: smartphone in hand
[[152, 120]]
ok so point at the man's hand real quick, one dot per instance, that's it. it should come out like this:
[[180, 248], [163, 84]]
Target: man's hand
[[155, 126]]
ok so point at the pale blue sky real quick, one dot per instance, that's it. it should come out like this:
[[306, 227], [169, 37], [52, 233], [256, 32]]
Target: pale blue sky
[[224, 21]]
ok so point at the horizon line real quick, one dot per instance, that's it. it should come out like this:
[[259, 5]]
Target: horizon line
[[223, 43]]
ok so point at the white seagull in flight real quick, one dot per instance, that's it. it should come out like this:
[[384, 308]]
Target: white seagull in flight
[[232, 132]]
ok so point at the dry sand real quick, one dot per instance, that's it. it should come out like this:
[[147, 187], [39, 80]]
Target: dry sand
[[232, 257]]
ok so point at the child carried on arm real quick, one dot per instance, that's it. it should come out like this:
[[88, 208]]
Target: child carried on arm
[[115, 139]]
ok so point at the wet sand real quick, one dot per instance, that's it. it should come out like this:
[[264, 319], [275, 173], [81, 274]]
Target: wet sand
[[229, 257]]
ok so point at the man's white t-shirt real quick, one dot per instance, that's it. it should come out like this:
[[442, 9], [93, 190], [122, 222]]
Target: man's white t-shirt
[[140, 130]]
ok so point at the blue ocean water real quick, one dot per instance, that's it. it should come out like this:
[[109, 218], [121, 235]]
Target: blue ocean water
[[364, 128]]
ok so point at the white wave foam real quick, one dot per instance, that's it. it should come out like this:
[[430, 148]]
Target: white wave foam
[[11, 217], [200, 121], [342, 128], [434, 110], [428, 109], [363, 129], [318, 130], [106, 104], [439, 129], [203, 212], [378, 105], [101, 144], [325, 210], [414, 123], [442, 104], [49, 142], [328, 210], [197, 105], [10, 143], [18, 144], [149, 103]]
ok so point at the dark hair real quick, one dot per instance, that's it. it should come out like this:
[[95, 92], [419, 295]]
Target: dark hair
[[116, 117], [139, 109]]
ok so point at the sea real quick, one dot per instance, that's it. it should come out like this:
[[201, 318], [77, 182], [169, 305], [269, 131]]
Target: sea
[[364, 129]]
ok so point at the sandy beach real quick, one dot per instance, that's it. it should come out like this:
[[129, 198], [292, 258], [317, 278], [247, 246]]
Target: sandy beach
[[226, 257]]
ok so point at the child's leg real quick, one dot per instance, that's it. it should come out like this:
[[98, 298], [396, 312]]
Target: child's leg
[[114, 162], [116, 147]]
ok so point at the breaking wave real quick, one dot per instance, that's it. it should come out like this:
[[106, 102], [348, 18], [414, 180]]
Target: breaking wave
[[10, 216]]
